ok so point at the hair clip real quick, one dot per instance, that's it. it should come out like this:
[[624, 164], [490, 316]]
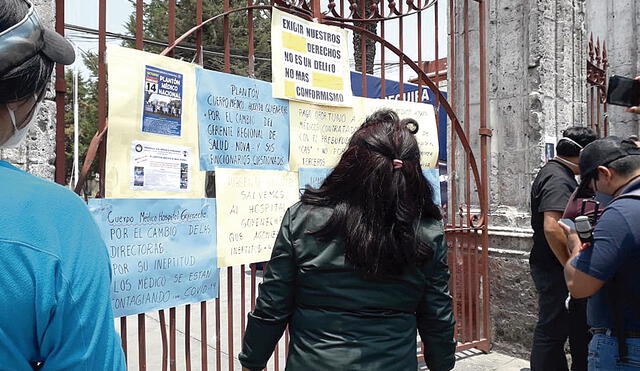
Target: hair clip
[[397, 164]]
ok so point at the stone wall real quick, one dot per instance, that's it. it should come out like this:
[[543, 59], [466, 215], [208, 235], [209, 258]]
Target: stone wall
[[536, 54], [617, 25], [37, 154]]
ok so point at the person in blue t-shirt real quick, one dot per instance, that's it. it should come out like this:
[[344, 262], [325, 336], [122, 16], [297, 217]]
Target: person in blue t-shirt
[[606, 269], [55, 276]]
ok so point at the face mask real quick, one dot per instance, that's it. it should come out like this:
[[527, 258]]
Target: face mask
[[571, 164], [566, 139], [20, 134]]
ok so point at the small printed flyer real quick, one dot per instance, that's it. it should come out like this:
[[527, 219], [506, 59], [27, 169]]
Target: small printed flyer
[[162, 104], [160, 167]]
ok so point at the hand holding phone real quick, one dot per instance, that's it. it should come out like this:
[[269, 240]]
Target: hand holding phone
[[623, 91], [569, 223]]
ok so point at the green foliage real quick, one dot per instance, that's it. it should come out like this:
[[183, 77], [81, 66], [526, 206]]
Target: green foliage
[[156, 21]]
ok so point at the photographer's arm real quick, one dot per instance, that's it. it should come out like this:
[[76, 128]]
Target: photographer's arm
[[556, 238]]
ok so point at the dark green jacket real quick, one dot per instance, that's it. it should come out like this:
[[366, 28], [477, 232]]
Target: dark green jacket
[[339, 320]]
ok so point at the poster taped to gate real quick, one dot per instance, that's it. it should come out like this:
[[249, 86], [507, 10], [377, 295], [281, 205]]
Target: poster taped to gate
[[162, 102], [310, 61], [127, 82], [162, 251], [160, 167], [250, 212], [241, 124]]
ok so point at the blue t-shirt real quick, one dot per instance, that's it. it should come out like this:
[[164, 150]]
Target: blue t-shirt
[[615, 250], [55, 278]]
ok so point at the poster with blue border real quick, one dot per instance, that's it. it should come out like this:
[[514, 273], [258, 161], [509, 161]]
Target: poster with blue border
[[163, 251], [240, 124], [162, 104]]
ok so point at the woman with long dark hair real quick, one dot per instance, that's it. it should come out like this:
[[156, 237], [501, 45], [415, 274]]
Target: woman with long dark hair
[[359, 264]]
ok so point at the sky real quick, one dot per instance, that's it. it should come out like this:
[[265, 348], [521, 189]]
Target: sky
[[85, 13]]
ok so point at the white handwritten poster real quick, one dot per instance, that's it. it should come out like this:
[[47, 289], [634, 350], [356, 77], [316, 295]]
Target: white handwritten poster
[[250, 212]]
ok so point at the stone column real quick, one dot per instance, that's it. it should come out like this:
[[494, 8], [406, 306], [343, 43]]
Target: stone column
[[37, 154], [536, 55], [616, 23]]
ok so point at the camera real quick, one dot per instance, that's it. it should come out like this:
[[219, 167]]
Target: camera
[[584, 229]]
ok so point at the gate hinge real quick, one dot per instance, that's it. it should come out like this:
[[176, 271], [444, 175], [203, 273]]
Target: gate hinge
[[486, 132]]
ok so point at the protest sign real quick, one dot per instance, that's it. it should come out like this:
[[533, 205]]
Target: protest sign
[[310, 61], [312, 176], [319, 134], [250, 212], [132, 121], [163, 252], [162, 103], [433, 176], [423, 113], [241, 125]]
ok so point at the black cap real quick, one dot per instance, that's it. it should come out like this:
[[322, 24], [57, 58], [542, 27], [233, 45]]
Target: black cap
[[602, 152], [28, 38]]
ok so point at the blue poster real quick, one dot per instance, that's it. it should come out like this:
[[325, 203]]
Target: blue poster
[[241, 125], [163, 251], [312, 176], [315, 176], [433, 176], [162, 105]]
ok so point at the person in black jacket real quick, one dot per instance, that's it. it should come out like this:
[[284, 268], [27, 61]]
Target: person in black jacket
[[557, 321], [359, 264]]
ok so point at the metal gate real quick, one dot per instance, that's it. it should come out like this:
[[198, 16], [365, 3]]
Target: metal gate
[[597, 65], [212, 340]]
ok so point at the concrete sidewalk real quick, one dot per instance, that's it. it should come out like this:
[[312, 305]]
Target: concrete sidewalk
[[469, 360], [475, 360]]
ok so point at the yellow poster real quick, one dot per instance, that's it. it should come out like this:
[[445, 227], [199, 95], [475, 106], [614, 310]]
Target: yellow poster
[[249, 211], [310, 61], [152, 142], [423, 113], [319, 134]]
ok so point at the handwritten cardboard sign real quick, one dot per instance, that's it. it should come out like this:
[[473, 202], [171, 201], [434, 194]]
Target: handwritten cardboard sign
[[319, 134], [241, 124], [310, 61], [162, 251], [250, 212], [423, 113]]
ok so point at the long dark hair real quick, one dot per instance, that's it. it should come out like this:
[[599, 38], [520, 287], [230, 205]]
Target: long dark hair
[[376, 205], [31, 76]]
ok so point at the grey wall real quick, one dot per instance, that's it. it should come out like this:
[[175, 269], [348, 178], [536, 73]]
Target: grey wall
[[37, 154], [618, 26], [536, 57]]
